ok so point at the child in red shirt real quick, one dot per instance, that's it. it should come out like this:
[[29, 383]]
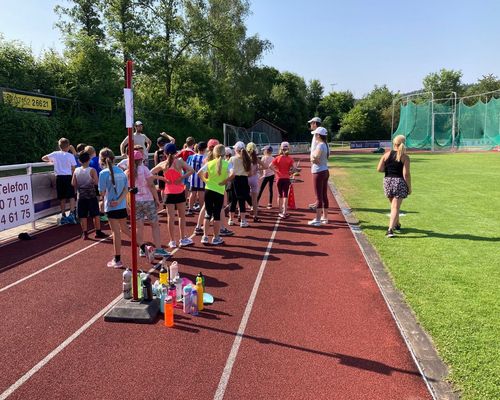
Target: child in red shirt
[[283, 167]]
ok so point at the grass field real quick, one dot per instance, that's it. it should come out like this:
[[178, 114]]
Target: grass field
[[446, 261]]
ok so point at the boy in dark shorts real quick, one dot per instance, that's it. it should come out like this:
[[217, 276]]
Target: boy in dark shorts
[[64, 165], [85, 181]]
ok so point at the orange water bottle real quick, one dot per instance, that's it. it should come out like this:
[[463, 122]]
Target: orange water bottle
[[169, 312], [199, 289]]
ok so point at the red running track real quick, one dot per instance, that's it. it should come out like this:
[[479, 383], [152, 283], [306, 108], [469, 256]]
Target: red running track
[[319, 328]]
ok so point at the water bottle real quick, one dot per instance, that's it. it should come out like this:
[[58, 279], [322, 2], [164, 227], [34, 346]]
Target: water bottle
[[147, 288], [174, 270], [178, 288], [187, 299], [200, 275], [169, 312], [140, 275], [194, 301], [163, 294], [172, 293], [127, 285], [199, 291], [163, 275]]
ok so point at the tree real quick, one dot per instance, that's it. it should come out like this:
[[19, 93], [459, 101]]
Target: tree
[[85, 17], [314, 96], [17, 65], [333, 107], [443, 82], [488, 83]]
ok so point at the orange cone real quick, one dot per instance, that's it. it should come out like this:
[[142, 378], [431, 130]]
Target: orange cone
[[291, 198]]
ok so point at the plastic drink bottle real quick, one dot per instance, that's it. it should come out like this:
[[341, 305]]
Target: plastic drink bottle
[[163, 295], [140, 274], [187, 300], [199, 292], [178, 288], [172, 293], [194, 301], [202, 279], [174, 270], [147, 288], [127, 285], [169, 312], [163, 275]]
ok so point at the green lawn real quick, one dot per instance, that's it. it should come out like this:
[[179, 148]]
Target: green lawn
[[446, 261]]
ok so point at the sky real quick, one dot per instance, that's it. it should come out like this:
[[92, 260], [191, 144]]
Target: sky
[[345, 44]]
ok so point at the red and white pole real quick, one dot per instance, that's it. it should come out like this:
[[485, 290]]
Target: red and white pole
[[128, 85]]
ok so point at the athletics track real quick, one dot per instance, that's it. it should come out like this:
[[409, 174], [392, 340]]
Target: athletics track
[[297, 315]]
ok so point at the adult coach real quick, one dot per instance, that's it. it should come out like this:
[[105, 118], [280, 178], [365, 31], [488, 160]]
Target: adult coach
[[138, 138], [320, 173], [313, 124]]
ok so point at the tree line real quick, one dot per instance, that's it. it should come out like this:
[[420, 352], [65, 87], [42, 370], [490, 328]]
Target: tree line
[[195, 68]]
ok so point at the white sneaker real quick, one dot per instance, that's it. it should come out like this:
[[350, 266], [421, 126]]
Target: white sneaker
[[185, 242], [230, 222], [244, 223], [324, 221], [217, 240], [172, 244], [314, 222], [204, 240]]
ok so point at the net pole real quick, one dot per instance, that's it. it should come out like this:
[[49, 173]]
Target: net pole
[[432, 121], [224, 132], [453, 120]]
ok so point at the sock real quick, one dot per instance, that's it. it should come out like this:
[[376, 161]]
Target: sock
[[117, 258], [143, 247]]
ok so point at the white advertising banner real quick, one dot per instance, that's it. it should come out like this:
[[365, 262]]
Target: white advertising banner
[[16, 202], [129, 108]]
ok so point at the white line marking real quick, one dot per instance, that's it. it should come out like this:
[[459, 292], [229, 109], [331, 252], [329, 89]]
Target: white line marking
[[221, 389], [56, 351]]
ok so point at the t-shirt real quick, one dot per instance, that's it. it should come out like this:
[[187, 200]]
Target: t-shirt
[[138, 139], [196, 161], [63, 161], [238, 168], [141, 183], [184, 154], [267, 160], [123, 164], [323, 159], [94, 163], [283, 164], [113, 192]]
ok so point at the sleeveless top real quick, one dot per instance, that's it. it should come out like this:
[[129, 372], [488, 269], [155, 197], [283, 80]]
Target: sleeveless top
[[214, 178], [85, 184], [393, 168]]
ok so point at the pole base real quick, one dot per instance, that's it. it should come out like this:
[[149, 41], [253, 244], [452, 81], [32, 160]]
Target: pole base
[[137, 312]]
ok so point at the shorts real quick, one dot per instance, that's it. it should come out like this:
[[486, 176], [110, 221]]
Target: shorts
[[283, 187], [197, 189], [395, 187], [64, 188], [146, 210], [253, 182], [175, 198], [117, 214], [87, 207]]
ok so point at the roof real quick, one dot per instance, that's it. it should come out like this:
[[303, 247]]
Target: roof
[[268, 123]]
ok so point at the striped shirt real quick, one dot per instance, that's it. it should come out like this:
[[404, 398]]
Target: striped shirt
[[196, 161]]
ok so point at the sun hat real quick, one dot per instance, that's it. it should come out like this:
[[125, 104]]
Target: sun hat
[[138, 123], [320, 131], [138, 155], [212, 143], [315, 119], [239, 146], [170, 148]]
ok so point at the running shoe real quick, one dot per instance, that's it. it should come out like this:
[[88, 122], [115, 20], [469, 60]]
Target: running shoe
[[196, 207], [244, 223], [84, 235], [64, 221], [103, 218], [256, 219], [115, 264], [189, 212], [324, 221], [282, 215], [172, 244], [198, 231], [217, 240], [314, 222], [313, 206], [185, 242], [389, 234], [161, 253], [142, 253], [269, 206], [204, 239], [101, 235], [230, 222], [226, 232], [397, 227]]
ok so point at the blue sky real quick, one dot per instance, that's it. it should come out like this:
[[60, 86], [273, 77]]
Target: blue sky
[[347, 45]]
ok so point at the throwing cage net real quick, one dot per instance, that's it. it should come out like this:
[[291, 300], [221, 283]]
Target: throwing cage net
[[467, 123], [233, 134]]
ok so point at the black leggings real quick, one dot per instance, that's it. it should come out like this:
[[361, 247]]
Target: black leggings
[[213, 204], [241, 193], [270, 180]]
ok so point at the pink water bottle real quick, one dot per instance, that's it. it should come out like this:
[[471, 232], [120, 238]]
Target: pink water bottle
[[172, 293]]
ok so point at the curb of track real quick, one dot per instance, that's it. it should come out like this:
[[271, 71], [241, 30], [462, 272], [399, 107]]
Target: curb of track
[[433, 370]]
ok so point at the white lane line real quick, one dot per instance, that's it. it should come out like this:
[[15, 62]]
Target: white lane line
[[68, 341], [50, 266], [57, 350], [226, 374]]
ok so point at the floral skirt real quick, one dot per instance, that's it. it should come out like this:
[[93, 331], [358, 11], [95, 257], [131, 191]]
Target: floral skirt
[[395, 187]]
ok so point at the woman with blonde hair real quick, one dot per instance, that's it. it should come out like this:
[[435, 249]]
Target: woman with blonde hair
[[242, 165], [397, 181]]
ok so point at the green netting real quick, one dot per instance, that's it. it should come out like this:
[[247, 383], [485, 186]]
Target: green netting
[[476, 126]]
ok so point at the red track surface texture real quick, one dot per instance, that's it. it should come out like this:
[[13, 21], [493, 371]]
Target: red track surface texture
[[318, 329]]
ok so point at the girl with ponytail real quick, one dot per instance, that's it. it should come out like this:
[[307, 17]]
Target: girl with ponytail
[[283, 167], [241, 164], [397, 180], [215, 174], [253, 178], [113, 187]]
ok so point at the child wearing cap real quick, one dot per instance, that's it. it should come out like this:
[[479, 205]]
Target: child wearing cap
[[64, 165], [242, 165], [146, 206], [174, 171], [138, 138], [85, 181], [267, 175], [283, 166]]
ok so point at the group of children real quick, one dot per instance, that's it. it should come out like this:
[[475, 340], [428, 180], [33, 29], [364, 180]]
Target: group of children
[[202, 177]]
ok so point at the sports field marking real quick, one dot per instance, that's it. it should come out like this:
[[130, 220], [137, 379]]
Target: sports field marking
[[226, 374], [67, 342]]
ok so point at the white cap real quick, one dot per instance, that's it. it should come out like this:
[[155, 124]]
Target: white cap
[[138, 123], [285, 144], [320, 131], [229, 152], [239, 146], [315, 119]]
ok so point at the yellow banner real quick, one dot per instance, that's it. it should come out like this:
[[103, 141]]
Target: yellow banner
[[27, 102]]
